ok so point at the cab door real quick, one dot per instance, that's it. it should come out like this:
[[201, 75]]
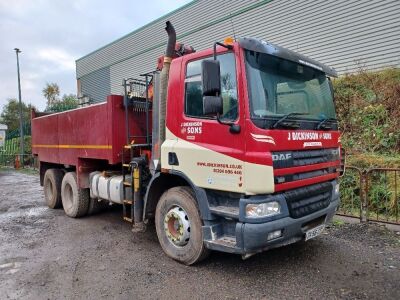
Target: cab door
[[206, 151]]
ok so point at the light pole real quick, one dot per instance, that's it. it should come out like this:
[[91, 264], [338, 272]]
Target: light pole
[[21, 124]]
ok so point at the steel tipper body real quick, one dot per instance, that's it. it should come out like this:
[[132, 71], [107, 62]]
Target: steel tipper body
[[288, 172], [86, 139]]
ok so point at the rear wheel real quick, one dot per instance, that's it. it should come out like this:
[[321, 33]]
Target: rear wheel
[[74, 199], [52, 187], [179, 226]]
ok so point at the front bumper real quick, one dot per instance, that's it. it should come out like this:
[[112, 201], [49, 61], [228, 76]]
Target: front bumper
[[253, 237], [243, 237]]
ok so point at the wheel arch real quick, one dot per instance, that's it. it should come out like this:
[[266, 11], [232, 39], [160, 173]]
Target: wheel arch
[[43, 167], [161, 182]]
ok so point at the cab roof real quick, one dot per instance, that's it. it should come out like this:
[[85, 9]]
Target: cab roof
[[262, 46]]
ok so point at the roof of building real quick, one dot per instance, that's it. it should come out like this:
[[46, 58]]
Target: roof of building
[[140, 28]]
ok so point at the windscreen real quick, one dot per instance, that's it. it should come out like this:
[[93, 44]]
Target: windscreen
[[278, 87]]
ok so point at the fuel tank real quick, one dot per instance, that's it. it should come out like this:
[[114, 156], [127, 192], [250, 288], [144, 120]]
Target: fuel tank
[[109, 188]]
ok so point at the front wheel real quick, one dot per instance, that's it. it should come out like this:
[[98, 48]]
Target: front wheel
[[179, 226]]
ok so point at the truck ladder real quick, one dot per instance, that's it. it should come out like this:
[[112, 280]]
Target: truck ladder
[[127, 204], [136, 101], [133, 205]]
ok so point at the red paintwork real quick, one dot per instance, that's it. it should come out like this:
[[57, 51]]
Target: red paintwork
[[242, 146], [93, 126], [104, 124], [215, 136], [293, 170], [304, 182]]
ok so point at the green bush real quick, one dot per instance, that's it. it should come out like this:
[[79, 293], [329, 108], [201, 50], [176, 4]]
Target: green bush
[[367, 105], [383, 201]]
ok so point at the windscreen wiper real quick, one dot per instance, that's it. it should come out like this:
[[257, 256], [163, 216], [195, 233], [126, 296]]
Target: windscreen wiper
[[286, 124], [321, 124]]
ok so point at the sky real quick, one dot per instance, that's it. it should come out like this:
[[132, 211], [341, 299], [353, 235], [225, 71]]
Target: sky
[[52, 34]]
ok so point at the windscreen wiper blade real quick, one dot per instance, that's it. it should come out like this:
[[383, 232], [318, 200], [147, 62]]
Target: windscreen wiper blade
[[321, 124], [280, 121]]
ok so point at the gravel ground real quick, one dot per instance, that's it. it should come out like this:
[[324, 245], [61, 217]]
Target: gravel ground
[[46, 255]]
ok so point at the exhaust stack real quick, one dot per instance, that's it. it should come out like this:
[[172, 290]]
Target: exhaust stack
[[164, 76]]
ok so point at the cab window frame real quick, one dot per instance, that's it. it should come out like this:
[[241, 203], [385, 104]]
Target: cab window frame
[[197, 78]]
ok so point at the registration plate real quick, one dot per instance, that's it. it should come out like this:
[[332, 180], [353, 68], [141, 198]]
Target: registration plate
[[312, 233]]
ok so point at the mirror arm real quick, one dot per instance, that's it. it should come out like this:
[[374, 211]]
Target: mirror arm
[[222, 122], [233, 128], [229, 47]]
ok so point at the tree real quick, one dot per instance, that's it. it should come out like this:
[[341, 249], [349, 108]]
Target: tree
[[70, 100], [67, 102], [51, 91], [10, 114]]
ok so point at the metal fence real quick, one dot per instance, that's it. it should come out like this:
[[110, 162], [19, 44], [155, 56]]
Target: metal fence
[[17, 161], [382, 195], [371, 194], [350, 192]]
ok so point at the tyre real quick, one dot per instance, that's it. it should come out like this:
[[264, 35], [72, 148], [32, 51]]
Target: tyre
[[96, 206], [74, 199], [52, 187], [179, 226]]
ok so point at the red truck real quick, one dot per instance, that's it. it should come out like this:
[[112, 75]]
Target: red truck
[[234, 148]]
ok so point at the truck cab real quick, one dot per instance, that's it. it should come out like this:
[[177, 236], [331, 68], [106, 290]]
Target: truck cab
[[265, 162]]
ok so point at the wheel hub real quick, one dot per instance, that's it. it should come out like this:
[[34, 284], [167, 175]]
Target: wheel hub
[[177, 226]]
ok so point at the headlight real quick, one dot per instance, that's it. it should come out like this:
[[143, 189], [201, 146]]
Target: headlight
[[263, 210], [337, 189]]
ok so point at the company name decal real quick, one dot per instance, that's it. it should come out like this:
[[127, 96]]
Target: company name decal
[[191, 129], [231, 172], [312, 144], [308, 135], [222, 168]]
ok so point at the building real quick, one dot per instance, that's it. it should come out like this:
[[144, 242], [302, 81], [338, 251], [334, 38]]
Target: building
[[3, 129], [345, 34]]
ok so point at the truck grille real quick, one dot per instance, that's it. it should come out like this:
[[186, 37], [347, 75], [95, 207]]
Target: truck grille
[[307, 200], [298, 158], [288, 159]]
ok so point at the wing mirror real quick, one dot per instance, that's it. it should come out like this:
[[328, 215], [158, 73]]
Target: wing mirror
[[211, 83]]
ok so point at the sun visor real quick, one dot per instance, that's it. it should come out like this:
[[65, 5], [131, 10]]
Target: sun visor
[[269, 48]]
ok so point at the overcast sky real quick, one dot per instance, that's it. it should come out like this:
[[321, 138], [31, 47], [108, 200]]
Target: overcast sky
[[52, 34]]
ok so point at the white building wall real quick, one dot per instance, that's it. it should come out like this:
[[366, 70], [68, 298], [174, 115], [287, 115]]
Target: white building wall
[[345, 34]]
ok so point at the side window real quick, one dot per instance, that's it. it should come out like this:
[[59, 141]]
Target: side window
[[194, 93]]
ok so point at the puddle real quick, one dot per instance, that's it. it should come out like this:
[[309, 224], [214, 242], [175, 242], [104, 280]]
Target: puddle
[[28, 213], [10, 268]]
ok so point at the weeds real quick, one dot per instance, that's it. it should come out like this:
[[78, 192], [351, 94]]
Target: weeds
[[367, 105]]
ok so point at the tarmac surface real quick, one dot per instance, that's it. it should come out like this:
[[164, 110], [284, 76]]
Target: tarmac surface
[[46, 255]]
